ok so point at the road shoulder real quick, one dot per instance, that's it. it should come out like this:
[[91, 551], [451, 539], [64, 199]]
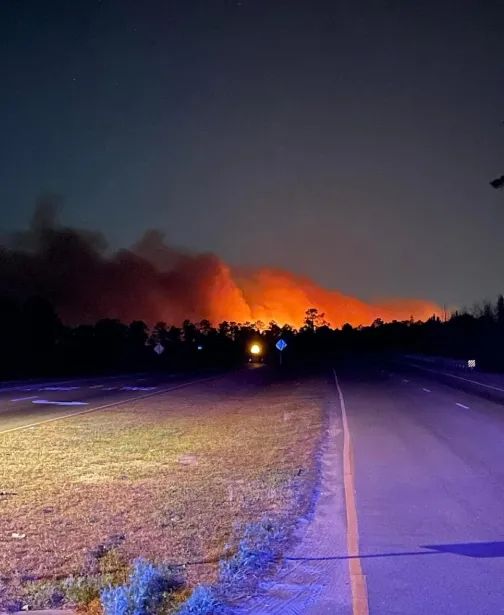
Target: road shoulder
[[314, 579]]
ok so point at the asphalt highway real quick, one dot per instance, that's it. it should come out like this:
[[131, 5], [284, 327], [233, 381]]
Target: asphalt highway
[[429, 482], [25, 404]]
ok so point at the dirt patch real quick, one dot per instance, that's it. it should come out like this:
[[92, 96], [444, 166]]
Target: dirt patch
[[171, 475]]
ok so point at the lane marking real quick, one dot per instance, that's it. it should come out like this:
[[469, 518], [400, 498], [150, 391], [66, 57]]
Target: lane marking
[[358, 582], [59, 388], [31, 386], [427, 390], [25, 398], [34, 383], [435, 371], [59, 403], [111, 405], [405, 381], [462, 406]]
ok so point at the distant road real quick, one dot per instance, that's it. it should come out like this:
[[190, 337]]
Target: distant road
[[28, 403], [429, 481], [490, 385]]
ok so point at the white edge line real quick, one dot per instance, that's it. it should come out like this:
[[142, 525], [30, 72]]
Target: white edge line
[[462, 406], [105, 406], [427, 390], [25, 398]]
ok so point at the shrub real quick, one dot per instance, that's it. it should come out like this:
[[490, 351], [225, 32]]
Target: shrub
[[83, 590], [202, 601], [259, 547], [116, 600], [148, 587]]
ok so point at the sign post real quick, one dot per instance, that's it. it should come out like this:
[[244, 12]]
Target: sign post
[[281, 345]]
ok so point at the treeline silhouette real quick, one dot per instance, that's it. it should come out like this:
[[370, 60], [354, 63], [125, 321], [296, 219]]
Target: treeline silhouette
[[35, 342]]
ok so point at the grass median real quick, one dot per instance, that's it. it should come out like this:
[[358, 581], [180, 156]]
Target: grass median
[[168, 479]]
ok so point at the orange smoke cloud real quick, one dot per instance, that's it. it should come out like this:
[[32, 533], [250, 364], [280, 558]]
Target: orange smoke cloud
[[153, 281], [271, 294]]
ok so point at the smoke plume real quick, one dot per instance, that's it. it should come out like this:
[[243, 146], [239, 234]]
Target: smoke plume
[[155, 282]]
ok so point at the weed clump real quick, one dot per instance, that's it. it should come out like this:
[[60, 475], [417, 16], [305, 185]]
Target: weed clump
[[203, 601], [44, 594], [148, 589], [259, 547]]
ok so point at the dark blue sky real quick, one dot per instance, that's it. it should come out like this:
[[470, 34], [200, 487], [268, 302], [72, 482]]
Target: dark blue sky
[[349, 141]]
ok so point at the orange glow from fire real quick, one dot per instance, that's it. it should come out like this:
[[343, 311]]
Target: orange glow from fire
[[274, 295], [155, 282]]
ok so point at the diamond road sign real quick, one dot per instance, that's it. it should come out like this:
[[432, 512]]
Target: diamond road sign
[[158, 349], [281, 345]]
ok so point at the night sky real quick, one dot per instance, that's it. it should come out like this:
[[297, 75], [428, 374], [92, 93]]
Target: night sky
[[352, 142]]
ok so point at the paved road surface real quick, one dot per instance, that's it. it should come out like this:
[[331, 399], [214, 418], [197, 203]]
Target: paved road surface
[[25, 403], [429, 480], [426, 464]]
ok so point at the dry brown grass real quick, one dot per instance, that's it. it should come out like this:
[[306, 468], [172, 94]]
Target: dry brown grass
[[167, 479]]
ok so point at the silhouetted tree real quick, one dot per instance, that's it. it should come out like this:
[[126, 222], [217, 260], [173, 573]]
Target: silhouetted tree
[[499, 311], [205, 327], [189, 332], [34, 341], [159, 334], [314, 319], [111, 342], [138, 334], [41, 325], [274, 329]]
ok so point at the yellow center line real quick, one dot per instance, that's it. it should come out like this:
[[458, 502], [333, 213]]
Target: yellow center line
[[360, 605]]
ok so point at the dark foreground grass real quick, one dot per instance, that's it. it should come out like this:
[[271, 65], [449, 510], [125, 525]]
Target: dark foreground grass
[[173, 481]]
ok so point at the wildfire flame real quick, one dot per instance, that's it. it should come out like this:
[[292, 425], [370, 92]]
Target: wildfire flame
[[156, 282], [274, 295]]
